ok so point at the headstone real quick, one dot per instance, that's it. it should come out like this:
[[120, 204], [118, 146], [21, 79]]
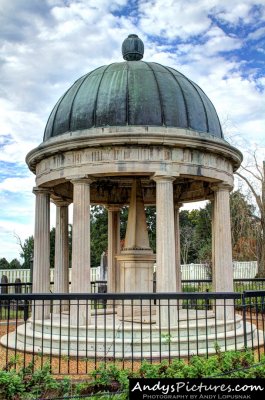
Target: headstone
[[4, 288], [103, 266], [102, 287]]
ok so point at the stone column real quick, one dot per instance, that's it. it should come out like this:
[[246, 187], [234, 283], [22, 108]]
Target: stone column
[[166, 279], [81, 249], [113, 247], [61, 260], [41, 261], [213, 245], [222, 247], [177, 244]]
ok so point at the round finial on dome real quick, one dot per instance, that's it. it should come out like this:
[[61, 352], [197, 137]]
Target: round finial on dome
[[132, 48]]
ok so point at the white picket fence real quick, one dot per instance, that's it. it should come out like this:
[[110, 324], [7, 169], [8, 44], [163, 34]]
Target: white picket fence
[[195, 271], [24, 274], [242, 270], [247, 270]]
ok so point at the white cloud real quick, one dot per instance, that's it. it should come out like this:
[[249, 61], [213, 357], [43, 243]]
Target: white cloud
[[185, 19], [17, 185], [257, 34], [238, 12], [17, 215], [218, 41], [171, 19]]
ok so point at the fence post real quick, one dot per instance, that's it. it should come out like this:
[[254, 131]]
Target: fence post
[[244, 320], [26, 310], [31, 270], [18, 287], [207, 301]]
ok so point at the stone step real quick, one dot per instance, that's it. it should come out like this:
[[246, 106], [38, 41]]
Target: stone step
[[191, 328], [125, 350], [147, 342]]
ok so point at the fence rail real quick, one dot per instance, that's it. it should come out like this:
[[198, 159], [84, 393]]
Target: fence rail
[[77, 332], [26, 287], [188, 285]]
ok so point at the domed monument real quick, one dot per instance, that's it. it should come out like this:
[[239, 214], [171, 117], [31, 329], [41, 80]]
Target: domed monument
[[131, 133]]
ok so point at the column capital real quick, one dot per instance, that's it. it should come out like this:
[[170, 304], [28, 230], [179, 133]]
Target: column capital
[[60, 201], [221, 186], [177, 206], [163, 177], [113, 207], [210, 197], [82, 180], [77, 179], [38, 190]]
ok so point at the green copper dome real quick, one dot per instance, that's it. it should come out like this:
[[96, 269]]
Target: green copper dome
[[133, 93]]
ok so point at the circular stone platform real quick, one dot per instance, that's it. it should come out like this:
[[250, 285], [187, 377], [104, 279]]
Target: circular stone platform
[[107, 336]]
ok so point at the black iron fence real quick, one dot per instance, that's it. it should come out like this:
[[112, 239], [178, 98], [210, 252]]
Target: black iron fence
[[240, 285], [77, 332], [249, 284], [188, 285], [18, 287], [26, 287]]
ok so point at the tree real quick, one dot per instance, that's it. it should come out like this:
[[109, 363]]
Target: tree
[[202, 222], [14, 264], [186, 243], [243, 227], [123, 222], [253, 174], [26, 250], [187, 248], [4, 264], [195, 235], [98, 233], [52, 247], [196, 231], [151, 226]]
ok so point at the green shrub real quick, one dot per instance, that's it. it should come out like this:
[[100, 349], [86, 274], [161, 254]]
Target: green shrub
[[108, 379], [11, 384]]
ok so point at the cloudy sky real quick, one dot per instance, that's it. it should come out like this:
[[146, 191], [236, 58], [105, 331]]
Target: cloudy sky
[[47, 44]]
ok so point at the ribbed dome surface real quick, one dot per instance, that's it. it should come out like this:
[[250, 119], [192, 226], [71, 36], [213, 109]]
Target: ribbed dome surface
[[133, 93]]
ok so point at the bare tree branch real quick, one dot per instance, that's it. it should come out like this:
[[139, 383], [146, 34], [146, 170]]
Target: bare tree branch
[[258, 167], [255, 194], [252, 173], [255, 180], [19, 241]]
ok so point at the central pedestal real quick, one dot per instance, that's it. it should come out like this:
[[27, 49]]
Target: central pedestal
[[136, 260], [136, 275]]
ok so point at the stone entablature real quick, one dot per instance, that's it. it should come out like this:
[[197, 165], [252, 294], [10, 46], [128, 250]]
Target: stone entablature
[[176, 151]]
